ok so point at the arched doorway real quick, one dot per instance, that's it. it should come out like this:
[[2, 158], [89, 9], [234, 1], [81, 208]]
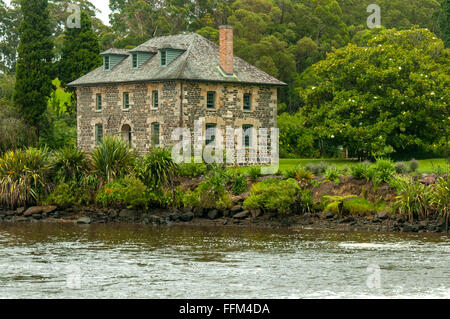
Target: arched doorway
[[126, 133]]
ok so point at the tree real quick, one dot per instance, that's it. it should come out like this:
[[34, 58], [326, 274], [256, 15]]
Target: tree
[[34, 65], [444, 20], [80, 52], [9, 36], [389, 96]]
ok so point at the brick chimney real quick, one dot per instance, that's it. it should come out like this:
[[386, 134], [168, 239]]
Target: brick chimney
[[226, 49]]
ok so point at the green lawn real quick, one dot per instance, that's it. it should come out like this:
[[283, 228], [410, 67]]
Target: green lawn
[[425, 166]]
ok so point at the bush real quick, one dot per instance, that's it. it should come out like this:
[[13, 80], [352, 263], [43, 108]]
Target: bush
[[317, 168], [400, 168], [157, 168], [112, 158], [192, 169], [384, 170], [69, 164], [127, 192], [413, 165], [303, 176], [254, 173], [238, 184], [290, 173], [69, 194], [359, 171], [332, 174], [413, 200], [23, 176], [440, 197], [274, 195]]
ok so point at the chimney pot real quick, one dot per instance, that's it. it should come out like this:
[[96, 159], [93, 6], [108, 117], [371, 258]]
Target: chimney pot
[[226, 49]]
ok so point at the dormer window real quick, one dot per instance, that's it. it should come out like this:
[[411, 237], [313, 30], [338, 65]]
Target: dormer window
[[135, 60], [106, 62], [163, 58]]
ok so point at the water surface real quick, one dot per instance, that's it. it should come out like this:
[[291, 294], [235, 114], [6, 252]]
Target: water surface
[[44, 260]]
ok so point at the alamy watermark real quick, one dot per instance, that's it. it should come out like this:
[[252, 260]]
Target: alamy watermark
[[74, 19], [374, 20]]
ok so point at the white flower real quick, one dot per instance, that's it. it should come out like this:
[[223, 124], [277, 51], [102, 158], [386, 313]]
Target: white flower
[[432, 93], [403, 103], [399, 67], [313, 88], [375, 97], [332, 136]]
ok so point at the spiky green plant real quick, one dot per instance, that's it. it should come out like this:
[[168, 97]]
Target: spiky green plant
[[23, 175], [157, 168], [112, 158], [440, 197], [413, 199], [69, 164]]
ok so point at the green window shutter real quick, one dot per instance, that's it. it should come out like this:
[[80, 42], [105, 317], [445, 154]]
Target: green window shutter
[[126, 100], [106, 63], [210, 133], [247, 135], [211, 100], [155, 134], [135, 60], [163, 57], [155, 99], [98, 133], [99, 102], [247, 101]]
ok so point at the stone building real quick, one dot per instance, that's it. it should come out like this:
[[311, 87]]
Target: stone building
[[169, 82]]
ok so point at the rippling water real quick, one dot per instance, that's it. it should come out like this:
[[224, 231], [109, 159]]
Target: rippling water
[[45, 260]]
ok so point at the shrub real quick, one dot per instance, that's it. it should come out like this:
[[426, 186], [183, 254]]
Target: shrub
[[238, 184], [336, 203], [69, 164], [192, 169], [157, 168], [254, 173], [400, 168], [440, 197], [384, 170], [358, 206], [112, 158], [332, 174], [69, 194], [290, 173], [413, 200], [23, 175], [413, 165], [303, 176], [359, 171], [317, 168], [274, 195], [129, 191]]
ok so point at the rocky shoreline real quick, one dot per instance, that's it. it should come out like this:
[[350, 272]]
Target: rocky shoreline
[[379, 222]]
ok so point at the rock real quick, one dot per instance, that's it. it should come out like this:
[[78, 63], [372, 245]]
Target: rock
[[256, 213], [39, 210], [225, 222], [382, 215], [428, 179], [242, 215], [10, 213], [227, 213], [153, 219], [20, 219], [36, 216], [174, 216], [83, 220], [199, 212], [349, 219], [187, 217], [423, 223], [236, 209], [410, 228], [329, 215], [20, 210], [127, 213], [213, 214]]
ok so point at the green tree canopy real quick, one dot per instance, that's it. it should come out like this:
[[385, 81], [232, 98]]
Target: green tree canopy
[[390, 95]]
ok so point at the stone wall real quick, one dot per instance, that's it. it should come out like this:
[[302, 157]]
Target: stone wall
[[228, 112]]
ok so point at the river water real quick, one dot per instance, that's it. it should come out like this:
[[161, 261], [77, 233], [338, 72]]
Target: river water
[[45, 260]]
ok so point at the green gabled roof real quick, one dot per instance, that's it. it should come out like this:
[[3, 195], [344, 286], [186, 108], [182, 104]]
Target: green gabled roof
[[198, 62]]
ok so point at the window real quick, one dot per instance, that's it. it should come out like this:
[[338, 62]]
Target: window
[[210, 133], [106, 62], [99, 102], [163, 58], [155, 99], [135, 60], [211, 100], [247, 101], [126, 100], [247, 135], [155, 134], [126, 133], [98, 133]]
